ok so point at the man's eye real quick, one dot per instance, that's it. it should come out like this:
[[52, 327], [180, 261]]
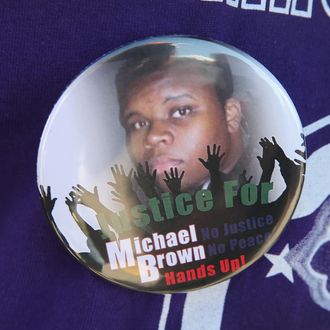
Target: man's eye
[[139, 124], [181, 112]]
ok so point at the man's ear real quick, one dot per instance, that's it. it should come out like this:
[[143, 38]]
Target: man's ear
[[233, 115]]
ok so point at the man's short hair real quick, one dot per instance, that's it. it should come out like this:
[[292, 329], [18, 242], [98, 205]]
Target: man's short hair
[[142, 61]]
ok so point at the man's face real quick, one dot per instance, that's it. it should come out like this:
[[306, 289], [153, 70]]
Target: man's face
[[170, 118]]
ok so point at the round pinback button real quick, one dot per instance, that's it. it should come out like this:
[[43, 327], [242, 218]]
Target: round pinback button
[[171, 164]]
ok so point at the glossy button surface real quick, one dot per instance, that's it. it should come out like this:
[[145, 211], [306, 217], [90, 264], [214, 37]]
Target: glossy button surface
[[171, 164]]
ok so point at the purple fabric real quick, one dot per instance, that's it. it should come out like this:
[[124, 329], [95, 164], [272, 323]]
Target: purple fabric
[[44, 45]]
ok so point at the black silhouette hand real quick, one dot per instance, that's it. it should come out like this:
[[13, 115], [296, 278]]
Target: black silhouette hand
[[213, 159], [301, 153], [122, 184], [173, 181], [267, 161], [242, 180], [303, 143], [146, 179], [279, 153], [46, 198]]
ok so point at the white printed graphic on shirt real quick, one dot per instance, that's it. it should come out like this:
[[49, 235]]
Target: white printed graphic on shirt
[[299, 8]]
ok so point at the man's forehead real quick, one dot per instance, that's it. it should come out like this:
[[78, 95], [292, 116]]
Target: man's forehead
[[171, 87], [187, 75], [177, 78]]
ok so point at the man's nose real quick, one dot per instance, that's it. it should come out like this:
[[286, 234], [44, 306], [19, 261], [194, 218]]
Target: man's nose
[[158, 134]]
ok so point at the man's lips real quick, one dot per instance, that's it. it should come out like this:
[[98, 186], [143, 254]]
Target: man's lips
[[164, 163]]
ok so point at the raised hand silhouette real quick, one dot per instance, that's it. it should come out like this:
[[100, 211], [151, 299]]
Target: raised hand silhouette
[[122, 185], [267, 161], [48, 202], [72, 203], [212, 164], [90, 199], [290, 171], [242, 179], [301, 153], [146, 179], [213, 159], [82, 196], [173, 180], [270, 151], [303, 143], [96, 239], [278, 151]]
